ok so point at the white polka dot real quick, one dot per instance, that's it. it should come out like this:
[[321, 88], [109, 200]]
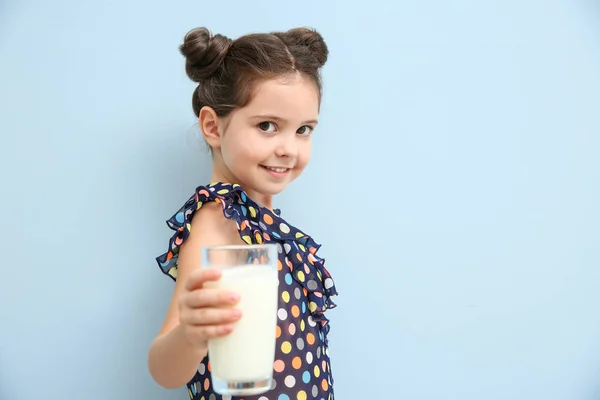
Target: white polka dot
[[328, 283], [284, 228], [309, 357], [297, 293], [279, 249], [287, 248], [315, 390], [282, 314], [202, 369], [228, 397], [260, 398], [290, 381], [311, 321]]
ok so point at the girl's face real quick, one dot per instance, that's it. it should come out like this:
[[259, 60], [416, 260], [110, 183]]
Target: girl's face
[[266, 144]]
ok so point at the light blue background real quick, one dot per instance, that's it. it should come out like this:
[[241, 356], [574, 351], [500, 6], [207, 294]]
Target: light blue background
[[455, 186]]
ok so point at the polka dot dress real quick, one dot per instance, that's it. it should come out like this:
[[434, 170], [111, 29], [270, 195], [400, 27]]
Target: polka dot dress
[[301, 369]]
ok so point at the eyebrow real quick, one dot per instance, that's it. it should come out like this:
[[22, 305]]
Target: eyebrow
[[279, 119]]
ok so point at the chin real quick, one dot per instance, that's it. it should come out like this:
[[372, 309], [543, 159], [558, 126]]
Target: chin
[[272, 189]]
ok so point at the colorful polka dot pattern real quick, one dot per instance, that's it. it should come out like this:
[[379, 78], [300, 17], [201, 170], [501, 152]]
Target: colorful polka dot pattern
[[302, 369]]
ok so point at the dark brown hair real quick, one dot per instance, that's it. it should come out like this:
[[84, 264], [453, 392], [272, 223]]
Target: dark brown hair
[[227, 70]]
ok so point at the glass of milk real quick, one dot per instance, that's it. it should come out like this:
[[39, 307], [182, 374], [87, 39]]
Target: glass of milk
[[242, 362]]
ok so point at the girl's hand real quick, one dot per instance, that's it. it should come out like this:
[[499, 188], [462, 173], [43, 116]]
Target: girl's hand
[[206, 313]]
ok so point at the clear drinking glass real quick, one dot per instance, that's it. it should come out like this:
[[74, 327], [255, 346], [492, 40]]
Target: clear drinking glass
[[242, 362]]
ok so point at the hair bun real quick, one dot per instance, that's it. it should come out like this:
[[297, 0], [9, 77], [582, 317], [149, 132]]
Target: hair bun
[[312, 40], [204, 53]]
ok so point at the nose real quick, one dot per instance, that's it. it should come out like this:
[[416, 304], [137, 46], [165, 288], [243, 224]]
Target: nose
[[287, 146]]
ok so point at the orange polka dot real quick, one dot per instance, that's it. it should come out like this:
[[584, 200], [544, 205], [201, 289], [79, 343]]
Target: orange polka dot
[[277, 332], [297, 362], [278, 365], [305, 291], [243, 226], [279, 265], [299, 257], [268, 219], [295, 311], [206, 384], [208, 366], [324, 384], [310, 338]]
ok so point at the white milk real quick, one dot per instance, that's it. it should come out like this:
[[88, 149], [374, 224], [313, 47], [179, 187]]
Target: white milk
[[248, 353]]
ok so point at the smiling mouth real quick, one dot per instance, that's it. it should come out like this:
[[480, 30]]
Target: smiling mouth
[[279, 170]]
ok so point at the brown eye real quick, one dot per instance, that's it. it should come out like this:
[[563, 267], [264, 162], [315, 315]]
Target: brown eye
[[267, 127], [305, 130]]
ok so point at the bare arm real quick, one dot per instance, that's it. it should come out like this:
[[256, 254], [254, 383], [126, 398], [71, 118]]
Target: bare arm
[[195, 314]]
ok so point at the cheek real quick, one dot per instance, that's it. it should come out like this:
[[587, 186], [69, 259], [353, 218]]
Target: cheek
[[238, 153], [304, 155], [232, 145]]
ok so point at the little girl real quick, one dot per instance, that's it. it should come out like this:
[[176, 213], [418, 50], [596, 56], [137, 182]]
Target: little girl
[[257, 103]]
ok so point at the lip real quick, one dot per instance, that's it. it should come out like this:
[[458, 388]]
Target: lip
[[275, 171]]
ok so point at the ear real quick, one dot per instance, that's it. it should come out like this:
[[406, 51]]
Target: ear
[[209, 125]]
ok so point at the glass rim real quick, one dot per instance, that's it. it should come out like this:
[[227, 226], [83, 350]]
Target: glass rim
[[238, 246]]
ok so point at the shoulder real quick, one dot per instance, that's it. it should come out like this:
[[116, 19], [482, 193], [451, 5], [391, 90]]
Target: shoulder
[[211, 228], [200, 222]]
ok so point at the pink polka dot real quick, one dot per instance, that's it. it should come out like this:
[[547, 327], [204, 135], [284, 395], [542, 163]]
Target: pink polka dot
[[278, 366]]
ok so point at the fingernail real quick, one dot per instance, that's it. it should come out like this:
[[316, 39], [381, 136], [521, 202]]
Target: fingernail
[[234, 296], [236, 313]]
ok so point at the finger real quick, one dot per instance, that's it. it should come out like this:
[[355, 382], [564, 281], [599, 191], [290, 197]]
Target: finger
[[201, 334], [210, 298], [212, 316], [199, 276]]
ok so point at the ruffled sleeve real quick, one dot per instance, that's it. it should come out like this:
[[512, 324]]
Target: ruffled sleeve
[[257, 225]]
